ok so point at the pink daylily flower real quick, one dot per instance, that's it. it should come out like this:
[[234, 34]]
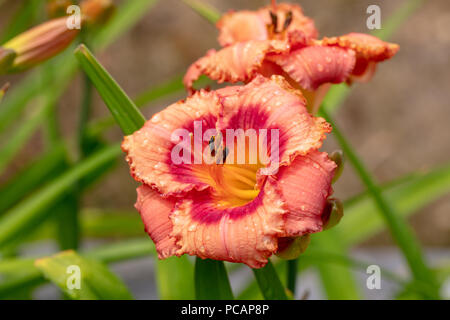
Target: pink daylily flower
[[232, 211], [279, 39]]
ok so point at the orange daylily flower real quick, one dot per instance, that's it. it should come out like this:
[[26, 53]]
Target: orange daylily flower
[[279, 39], [230, 210]]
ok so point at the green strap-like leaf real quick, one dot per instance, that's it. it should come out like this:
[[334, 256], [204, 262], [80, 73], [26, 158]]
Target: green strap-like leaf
[[81, 278], [407, 194], [206, 11], [175, 278], [211, 280], [400, 230], [269, 283], [42, 169], [338, 280], [21, 273], [123, 109], [26, 215]]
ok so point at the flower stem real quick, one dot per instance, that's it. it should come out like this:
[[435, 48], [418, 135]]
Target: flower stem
[[211, 280], [399, 229], [269, 283], [292, 267]]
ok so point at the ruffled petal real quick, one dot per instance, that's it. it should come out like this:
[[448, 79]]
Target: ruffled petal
[[155, 211], [369, 51], [274, 104], [313, 66], [305, 186], [257, 25], [246, 234], [238, 62], [241, 26], [149, 150]]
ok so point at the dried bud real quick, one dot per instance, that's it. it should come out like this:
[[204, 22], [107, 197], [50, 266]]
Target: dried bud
[[7, 57], [58, 8], [338, 157], [290, 248], [97, 11], [333, 213], [40, 43]]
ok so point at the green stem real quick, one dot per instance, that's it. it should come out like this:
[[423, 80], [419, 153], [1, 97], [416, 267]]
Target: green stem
[[85, 111], [400, 231], [269, 283], [211, 280], [292, 268]]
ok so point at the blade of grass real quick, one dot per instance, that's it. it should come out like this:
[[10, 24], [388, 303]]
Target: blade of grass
[[407, 195], [123, 250], [96, 281], [68, 232], [128, 14], [153, 94], [397, 19], [125, 112], [28, 127], [269, 283], [338, 280], [22, 272], [400, 231], [206, 11], [44, 168], [29, 88], [110, 223], [291, 280], [211, 280], [175, 278], [20, 136], [30, 212]]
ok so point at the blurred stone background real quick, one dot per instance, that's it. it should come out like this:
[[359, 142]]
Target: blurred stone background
[[398, 123]]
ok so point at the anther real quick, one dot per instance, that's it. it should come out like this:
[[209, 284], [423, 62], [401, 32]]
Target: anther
[[287, 20]]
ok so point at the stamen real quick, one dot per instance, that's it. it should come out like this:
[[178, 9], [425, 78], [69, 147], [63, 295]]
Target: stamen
[[287, 20], [246, 194], [249, 182], [274, 19], [243, 172]]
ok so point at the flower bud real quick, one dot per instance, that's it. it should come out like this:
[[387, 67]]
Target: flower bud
[[7, 57], [97, 11], [40, 43], [338, 157], [333, 213], [290, 248]]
